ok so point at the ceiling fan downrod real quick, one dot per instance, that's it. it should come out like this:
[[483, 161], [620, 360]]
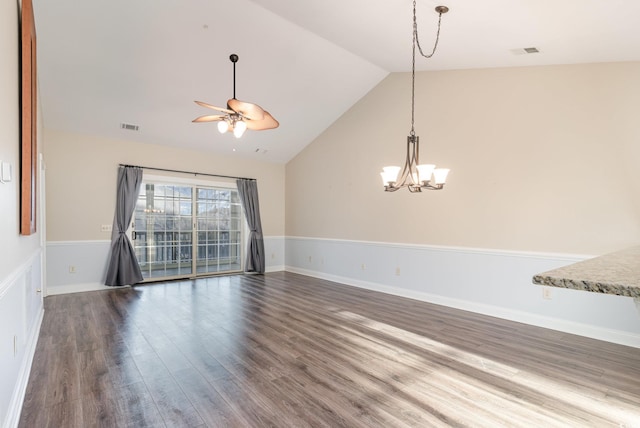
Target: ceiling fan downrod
[[234, 59]]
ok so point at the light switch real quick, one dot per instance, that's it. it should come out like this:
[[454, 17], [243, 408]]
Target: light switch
[[5, 172]]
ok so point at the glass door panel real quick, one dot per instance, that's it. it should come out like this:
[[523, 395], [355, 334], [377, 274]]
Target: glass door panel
[[163, 237], [214, 212]]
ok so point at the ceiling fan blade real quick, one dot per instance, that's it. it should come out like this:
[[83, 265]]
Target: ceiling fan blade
[[209, 118], [203, 104], [260, 125], [249, 110]]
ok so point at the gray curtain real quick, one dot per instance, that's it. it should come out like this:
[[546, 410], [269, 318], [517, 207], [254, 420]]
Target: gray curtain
[[248, 190], [123, 264]]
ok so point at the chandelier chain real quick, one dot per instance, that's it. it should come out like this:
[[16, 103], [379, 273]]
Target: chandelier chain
[[416, 41], [415, 33]]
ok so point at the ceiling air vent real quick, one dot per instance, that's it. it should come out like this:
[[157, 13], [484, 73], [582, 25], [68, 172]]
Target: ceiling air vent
[[525, 51], [129, 127]]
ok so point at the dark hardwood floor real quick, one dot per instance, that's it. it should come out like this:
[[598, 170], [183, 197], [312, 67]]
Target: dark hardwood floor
[[285, 350]]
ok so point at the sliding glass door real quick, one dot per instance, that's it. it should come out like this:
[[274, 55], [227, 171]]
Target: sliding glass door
[[187, 230]]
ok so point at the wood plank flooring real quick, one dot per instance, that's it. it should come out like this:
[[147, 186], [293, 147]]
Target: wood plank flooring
[[285, 350]]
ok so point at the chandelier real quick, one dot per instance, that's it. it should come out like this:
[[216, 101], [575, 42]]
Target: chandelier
[[415, 176]]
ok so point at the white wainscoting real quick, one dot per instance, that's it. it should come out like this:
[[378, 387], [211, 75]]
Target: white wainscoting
[[21, 312], [274, 253], [90, 261], [89, 258], [491, 282]]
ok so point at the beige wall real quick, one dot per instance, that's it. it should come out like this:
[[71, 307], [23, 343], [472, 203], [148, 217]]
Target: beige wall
[[542, 159], [81, 181], [15, 249]]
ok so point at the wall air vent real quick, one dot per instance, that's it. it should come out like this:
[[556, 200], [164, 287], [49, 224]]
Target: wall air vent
[[129, 127]]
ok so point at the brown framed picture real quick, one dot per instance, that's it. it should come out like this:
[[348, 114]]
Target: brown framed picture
[[29, 119]]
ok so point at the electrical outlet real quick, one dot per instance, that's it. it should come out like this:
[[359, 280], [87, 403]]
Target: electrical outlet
[[309, 259], [363, 266], [398, 271], [72, 269], [546, 293]]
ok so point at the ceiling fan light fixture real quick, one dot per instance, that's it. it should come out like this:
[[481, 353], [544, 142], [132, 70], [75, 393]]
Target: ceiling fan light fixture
[[238, 128], [223, 126]]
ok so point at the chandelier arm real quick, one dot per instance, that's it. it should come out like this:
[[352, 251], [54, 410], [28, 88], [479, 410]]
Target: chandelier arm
[[433, 187], [407, 178], [409, 164], [413, 171]]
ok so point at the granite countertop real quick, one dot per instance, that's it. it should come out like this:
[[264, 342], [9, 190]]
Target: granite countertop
[[616, 273]]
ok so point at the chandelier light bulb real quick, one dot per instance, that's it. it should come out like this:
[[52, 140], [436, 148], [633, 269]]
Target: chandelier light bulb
[[440, 175], [223, 126], [424, 172], [389, 174], [239, 128]]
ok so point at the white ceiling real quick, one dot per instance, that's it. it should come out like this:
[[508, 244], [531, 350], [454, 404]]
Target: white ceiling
[[144, 62]]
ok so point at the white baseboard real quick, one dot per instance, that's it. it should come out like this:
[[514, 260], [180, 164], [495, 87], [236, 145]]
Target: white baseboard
[[609, 335], [278, 268], [95, 286], [78, 288], [15, 407]]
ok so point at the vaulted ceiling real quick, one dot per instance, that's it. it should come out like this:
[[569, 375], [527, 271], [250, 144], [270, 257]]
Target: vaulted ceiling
[[143, 62]]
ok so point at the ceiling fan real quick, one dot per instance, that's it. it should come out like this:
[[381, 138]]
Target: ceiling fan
[[239, 115]]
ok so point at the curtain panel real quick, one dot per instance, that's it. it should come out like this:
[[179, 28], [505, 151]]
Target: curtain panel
[[123, 265], [248, 191]]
